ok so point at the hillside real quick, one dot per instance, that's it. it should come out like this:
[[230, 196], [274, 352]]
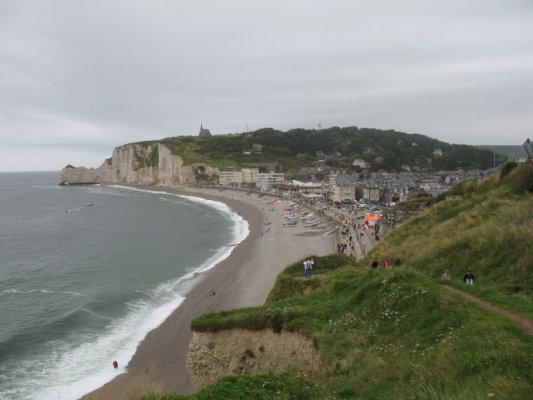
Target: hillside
[[485, 226], [398, 333], [336, 147], [507, 151]]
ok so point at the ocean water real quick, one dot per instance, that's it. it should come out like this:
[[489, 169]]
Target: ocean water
[[81, 284]]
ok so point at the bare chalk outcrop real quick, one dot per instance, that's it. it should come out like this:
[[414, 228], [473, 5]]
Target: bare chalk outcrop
[[213, 355]]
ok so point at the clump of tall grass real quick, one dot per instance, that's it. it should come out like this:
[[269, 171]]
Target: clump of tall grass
[[521, 178]]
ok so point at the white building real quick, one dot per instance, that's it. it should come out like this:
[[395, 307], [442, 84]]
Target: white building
[[236, 178], [341, 193], [230, 178], [266, 180], [249, 175], [359, 162], [437, 152], [308, 187]]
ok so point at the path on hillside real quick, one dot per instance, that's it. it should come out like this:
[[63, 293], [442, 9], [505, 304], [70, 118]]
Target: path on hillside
[[525, 322], [368, 242]]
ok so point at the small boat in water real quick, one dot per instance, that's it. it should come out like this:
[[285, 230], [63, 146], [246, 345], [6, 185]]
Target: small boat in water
[[89, 204]]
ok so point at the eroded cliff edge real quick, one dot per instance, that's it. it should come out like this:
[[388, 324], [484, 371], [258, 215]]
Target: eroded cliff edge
[[213, 355], [142, 163]]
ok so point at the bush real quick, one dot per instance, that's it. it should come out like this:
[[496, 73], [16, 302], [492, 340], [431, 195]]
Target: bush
[[507, 168], [521, 180]]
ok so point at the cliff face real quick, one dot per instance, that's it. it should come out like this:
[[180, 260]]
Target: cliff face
[[213, 355], [146, 164]]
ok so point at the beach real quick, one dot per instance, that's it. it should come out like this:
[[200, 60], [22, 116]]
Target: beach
[[244, 279]]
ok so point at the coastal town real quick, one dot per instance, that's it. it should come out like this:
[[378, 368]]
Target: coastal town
[[343, 186], [346, 186], [352, 186], [360, 196], [266, 200]]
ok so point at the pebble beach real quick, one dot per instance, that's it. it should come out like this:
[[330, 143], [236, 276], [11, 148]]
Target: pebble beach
[[244, 279]]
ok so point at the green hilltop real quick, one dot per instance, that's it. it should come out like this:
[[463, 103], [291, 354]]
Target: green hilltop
[[336, 147], [400, 333]]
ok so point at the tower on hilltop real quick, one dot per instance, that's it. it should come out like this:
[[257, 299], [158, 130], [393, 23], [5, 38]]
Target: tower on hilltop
[[203, 131]]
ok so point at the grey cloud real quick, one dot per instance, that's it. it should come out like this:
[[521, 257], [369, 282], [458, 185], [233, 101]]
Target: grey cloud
[[103, 73]]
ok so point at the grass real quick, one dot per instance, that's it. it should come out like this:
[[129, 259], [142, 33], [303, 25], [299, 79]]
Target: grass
[[292, 283], [275, 315], [396, 333], [482, 226], [267, 387]]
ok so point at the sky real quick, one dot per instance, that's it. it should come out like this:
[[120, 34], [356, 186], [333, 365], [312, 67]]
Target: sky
[[78, 78]]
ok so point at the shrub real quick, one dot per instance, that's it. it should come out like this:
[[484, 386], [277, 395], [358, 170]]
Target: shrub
[[507, 168]]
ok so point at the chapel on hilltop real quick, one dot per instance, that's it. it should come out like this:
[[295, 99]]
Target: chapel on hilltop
[[204, 132]]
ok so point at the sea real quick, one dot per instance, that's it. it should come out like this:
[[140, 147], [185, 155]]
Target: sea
[[87, 271]]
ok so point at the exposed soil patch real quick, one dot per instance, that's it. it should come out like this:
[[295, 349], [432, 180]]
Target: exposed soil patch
[[213, 355]]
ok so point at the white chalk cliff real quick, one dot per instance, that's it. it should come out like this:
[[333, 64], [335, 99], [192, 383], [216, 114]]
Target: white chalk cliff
[[141, 163]]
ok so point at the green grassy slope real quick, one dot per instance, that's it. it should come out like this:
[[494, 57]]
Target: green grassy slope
[[264, 387], [387, 334], [482, 226], [397, 333], [394, 334]]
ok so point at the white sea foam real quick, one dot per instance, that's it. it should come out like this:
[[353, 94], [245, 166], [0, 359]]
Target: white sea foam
[[78, 370], [75, 370], [45, 291]]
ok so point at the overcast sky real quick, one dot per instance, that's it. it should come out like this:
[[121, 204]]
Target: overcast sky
[[78, 78]]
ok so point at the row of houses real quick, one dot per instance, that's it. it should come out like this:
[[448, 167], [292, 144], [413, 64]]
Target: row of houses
[[343, 185], [371, 188]]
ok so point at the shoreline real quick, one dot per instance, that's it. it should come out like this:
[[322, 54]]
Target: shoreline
[[243, 279]]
